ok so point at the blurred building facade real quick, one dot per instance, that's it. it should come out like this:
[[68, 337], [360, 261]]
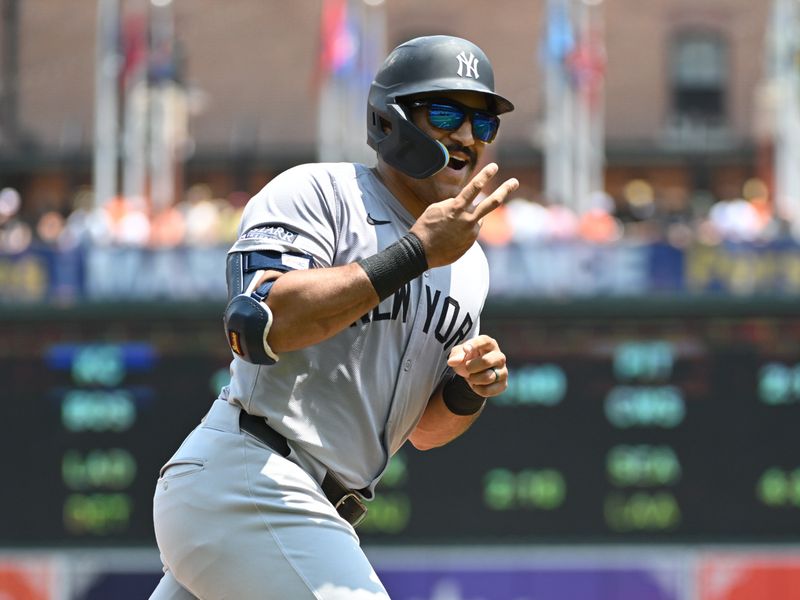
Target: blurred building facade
[[681, 108]]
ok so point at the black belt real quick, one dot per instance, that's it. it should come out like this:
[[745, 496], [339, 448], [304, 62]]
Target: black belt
[[347, 502]]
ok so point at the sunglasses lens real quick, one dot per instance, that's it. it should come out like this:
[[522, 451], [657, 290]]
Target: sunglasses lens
[[484, 127], [445, 116]]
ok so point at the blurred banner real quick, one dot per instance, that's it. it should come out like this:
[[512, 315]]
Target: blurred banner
[[519, 271], [568, 269], [41, 275]]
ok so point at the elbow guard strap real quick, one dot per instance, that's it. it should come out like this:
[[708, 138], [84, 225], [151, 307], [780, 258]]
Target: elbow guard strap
[[247, 321], [459, 398]]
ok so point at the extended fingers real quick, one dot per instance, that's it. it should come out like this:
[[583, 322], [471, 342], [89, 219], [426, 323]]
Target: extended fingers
[[496, 198], [476, 184]]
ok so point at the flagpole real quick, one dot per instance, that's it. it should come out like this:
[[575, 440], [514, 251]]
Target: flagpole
[[351, 113], [372, 49], [592, 168], [168, 116], [558, 104], [581, 173], [785, 29], [136, 94], [598, 165], [334, 47], [106, 130], [552, 144]]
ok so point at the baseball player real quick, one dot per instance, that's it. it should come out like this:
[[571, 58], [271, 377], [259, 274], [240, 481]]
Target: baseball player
[[355, 296]]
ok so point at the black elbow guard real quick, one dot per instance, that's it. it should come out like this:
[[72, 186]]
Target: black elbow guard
[[247, 321], [247, 317]]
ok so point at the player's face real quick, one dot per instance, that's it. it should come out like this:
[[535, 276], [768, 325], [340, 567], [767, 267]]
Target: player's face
[[463, 144]]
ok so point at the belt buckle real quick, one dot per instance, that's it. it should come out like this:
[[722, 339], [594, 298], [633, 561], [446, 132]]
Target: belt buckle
[[359, 505]]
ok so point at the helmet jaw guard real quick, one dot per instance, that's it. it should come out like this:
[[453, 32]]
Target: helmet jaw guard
[[407, 148], [424, 65]]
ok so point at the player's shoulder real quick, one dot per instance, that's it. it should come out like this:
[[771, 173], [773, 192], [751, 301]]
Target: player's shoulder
[[320, 173], [315, 182]]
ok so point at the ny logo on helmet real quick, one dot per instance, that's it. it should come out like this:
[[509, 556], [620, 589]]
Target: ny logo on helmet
[[470, 63]]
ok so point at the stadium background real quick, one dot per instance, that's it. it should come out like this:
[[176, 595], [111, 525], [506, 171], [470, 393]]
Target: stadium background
[[644, 285]]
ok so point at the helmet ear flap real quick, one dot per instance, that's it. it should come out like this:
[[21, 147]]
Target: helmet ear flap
[[408, 149]]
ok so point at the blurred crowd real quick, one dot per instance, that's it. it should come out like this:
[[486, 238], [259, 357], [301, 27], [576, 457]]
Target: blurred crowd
[[201, 219], [640, 214]]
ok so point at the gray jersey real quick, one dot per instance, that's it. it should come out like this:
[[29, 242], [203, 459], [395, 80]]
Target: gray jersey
[[348, 403]]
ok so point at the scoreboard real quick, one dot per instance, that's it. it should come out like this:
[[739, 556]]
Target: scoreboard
[[652, 429], [92, 405], [624, 421]]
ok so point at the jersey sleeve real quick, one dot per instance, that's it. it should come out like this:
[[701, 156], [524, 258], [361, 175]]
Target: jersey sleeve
[[295, 214]]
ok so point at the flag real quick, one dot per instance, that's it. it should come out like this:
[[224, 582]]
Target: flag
[[134, 48], [351, 48], [338, 39], [586, 64], [559, 37]]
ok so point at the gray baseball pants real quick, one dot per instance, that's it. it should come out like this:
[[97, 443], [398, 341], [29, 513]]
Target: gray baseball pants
[[236, 521]]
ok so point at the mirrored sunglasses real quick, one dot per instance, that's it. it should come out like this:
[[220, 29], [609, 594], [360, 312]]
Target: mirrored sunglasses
[[449, 115]]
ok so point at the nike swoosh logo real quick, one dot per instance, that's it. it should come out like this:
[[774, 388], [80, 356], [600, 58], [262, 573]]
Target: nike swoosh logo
[[372, 221]]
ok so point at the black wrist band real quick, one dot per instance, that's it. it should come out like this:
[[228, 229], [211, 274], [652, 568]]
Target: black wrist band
[[461, 399], [399, 263]]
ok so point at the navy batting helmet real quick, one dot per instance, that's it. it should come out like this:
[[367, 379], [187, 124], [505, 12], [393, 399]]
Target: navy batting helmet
[[436, 63]]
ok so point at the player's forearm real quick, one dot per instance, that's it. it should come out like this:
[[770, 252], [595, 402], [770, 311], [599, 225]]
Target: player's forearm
[[438, 425], [313, 305]]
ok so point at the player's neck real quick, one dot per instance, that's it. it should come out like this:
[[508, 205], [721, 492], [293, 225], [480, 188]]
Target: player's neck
[[399, 188]]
